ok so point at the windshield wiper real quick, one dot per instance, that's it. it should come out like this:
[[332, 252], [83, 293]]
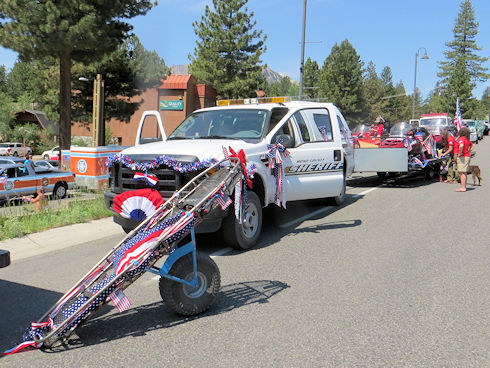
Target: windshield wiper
[[176, 138], [218, 137]]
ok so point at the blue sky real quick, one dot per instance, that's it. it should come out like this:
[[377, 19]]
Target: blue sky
[[388, 32]]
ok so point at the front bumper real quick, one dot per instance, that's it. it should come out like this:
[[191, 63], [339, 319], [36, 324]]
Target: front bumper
[[473, 137]]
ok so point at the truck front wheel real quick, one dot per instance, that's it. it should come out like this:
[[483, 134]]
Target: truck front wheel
[[246, 234]]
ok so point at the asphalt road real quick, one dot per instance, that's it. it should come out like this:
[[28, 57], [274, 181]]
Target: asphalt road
[[397, 277]]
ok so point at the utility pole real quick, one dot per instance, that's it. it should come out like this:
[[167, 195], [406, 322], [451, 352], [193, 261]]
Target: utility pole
[[301, 69], [98, 125]]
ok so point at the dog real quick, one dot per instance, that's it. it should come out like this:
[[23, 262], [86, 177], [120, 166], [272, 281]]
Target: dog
[[475, 173]]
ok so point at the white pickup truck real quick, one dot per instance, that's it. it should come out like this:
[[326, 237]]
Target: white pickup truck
[[315, 134]]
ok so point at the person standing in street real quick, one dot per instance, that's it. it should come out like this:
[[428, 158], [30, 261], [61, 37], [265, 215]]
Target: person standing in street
[[464, 156], [452, 167]]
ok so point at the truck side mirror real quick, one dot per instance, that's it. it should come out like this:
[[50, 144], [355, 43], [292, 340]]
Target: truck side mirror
[[287, 140]]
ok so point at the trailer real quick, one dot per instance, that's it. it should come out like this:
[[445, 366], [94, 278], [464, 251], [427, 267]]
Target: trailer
[[189, 280], [393, 162]]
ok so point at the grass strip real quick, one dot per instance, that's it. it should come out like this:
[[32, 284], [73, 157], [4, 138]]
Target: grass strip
[[77, 211]]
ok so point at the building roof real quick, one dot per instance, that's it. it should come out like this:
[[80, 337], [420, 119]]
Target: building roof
[[176, 82], [38, 117]]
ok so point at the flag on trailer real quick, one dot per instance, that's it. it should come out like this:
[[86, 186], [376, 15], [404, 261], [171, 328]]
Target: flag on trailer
[[120, 300], [223, 200], [457, 117]]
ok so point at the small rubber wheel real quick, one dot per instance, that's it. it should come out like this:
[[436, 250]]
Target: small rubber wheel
[[60, 190], [244, 235], [187, 300]]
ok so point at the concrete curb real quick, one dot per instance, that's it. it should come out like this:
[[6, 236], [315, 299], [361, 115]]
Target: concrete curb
[[59, 238]]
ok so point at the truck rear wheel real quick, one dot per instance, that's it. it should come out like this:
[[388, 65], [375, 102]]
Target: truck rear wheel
[[60, 190], [337, 201], [187, 300], [245, 235]]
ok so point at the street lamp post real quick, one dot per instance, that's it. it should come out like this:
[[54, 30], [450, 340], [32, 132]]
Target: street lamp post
[[425, 57], [301, 69], [98, 126]]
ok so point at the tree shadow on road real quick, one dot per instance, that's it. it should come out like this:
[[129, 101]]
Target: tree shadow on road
[[155, 316]]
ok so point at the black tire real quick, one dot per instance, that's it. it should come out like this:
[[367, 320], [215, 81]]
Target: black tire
[[60, 190], [4, 258], [46, 157], [245, 235], [15, 154], [382, 175], [185, 300], [337, 201]]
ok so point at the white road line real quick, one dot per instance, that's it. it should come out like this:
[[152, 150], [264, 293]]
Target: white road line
[[366, 192], [221, 252], [305, 217], [317, 212]]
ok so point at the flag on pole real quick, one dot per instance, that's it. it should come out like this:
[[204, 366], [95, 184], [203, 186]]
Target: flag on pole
[[457, 116]]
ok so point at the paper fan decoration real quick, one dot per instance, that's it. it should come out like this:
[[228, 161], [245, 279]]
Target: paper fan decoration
[[137, 204]]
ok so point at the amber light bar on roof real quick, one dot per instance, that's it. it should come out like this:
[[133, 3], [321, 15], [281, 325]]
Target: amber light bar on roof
[[251, 101]]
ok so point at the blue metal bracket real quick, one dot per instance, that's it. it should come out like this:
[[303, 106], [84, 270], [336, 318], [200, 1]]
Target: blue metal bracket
[[174, 257]]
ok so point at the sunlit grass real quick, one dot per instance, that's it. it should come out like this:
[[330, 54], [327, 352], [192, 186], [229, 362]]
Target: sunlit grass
[[73, 212]]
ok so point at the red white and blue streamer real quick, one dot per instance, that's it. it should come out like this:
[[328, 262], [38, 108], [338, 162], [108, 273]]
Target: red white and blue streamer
[[161, 160], [276, 154]]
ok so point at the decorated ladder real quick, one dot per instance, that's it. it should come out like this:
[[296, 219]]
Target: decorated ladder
[[160, 234]]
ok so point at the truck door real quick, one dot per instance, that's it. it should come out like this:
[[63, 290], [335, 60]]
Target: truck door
[[311, 169]]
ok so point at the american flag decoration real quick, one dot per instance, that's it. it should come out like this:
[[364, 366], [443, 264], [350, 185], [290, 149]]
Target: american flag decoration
[[150, 179], [417, 161], [323, 130], [276, 153], [37, 329], [428, 145], [457, 117], [132, 253], [223, 200], [120, 301]]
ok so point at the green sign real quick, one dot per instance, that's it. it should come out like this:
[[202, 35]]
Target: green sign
[[171, 105]]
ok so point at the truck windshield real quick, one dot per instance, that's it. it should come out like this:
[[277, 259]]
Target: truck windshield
[[402, 129], [223, 124], [433, 122], [470, 123]]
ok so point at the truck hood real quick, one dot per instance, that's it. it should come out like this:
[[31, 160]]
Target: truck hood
[[201, 148]]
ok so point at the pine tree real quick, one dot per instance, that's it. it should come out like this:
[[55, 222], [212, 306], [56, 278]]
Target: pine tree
[[311, 78], [341, 81], [67, 31], [463, 68], [485, 101], [227, 53]]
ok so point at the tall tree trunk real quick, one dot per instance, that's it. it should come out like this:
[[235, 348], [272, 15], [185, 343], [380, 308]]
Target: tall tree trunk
[[65, 102]]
